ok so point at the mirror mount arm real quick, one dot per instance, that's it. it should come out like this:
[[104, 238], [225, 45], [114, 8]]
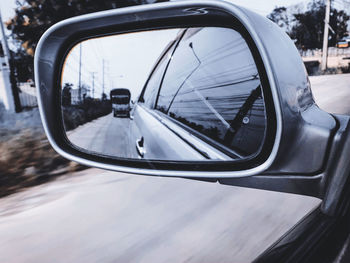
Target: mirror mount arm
[[331, 185], [303, 185]]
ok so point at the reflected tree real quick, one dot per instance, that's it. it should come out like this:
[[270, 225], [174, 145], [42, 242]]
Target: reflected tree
[[66, 94]]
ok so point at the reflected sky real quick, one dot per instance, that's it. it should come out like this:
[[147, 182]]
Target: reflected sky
[[120, 61]]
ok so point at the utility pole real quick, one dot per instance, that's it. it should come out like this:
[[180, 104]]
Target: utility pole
[[8, 87], [325, 36], [79, 94]]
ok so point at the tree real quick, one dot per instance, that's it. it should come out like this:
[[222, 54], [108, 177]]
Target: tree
[[23, 65], [34, 17], [280, 16], [308, 28]]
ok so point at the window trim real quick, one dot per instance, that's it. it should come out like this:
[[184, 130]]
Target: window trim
[[172, 45]]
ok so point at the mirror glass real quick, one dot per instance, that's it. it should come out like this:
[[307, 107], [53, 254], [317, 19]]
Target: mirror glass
[[186, 94]]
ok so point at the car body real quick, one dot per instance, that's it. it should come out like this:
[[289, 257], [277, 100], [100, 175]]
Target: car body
[[344, 43]]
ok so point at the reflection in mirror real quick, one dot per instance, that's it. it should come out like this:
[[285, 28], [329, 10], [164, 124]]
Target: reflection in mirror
[[177, 94]]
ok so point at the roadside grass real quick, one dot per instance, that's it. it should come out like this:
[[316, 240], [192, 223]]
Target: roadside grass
[[26, 157]]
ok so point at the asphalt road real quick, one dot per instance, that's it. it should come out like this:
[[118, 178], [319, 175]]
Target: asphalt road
[[98, 216], [332, 93], [107, 135]]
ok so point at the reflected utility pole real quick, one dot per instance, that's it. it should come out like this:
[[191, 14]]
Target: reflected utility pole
[[103, 77], [93, 84], [325, 36]]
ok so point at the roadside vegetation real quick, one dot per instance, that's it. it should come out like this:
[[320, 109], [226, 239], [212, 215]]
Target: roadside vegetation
[[90, 109], [27, 159], [304, 23]]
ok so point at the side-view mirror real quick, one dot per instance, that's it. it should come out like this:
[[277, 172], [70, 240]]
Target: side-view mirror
[[204, 90]]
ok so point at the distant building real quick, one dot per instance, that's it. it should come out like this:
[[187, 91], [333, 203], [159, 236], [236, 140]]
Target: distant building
[[27, 94], [75, 95]]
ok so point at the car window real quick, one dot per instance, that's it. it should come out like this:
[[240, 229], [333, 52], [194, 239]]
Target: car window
[[212, 86], [152, 86]]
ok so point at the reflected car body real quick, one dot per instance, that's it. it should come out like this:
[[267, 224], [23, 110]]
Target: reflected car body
[[205, 89], [150, 130]]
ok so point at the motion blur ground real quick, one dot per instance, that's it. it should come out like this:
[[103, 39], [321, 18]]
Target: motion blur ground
[[332, 92], [26, 158], [98, 216]]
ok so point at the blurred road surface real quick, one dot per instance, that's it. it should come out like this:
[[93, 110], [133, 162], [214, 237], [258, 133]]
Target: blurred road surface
[[332, 92], [98, 216]]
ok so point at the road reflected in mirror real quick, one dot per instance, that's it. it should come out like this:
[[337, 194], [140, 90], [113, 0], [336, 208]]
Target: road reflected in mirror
[[186, 94]]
